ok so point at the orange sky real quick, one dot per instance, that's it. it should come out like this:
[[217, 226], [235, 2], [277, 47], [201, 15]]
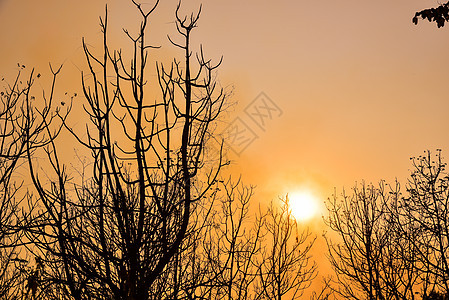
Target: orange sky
[[361, 88]]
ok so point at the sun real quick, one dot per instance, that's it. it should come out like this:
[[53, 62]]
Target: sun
[[304, 205]]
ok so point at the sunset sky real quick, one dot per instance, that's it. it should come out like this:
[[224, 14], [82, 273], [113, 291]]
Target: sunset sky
[[361, 88]]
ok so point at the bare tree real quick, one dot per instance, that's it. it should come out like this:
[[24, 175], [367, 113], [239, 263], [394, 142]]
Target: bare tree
[[148, 215], [231, 254], [326, 292], [233, 244], [113, 234], [425, 211], [284, 267], [11, 149], [371, 259], [217, 259], [21, 123]]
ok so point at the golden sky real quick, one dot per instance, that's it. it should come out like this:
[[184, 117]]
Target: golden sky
[[360, 87]]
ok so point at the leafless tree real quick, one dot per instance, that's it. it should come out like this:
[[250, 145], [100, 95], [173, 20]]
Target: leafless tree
[[233, 243], [22, 123], [237, 255], [326, 292], [113, 234], [284, 266], [11, 149], [425, 211], [371, 258], [232, 254], [217, 259], [148, 215]]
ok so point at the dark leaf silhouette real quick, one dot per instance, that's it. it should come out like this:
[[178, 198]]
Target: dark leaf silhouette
[[439, 15]]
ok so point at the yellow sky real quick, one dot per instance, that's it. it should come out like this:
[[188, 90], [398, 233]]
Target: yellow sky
[[360, 87]]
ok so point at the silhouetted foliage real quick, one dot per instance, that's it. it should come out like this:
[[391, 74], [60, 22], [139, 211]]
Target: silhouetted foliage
[[439, 15]]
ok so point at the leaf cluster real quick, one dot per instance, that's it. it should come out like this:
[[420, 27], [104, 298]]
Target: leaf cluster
[[439, 15]]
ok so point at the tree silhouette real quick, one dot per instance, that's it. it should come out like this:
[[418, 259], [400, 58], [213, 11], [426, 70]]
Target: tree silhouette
[[145, 212], [22, 125], [425, 211], [217, 260], [371, 259], [114, 233], [285, 267], [232, 244], [11, 151]]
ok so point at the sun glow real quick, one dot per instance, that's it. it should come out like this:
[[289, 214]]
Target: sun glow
[[304, 205]]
